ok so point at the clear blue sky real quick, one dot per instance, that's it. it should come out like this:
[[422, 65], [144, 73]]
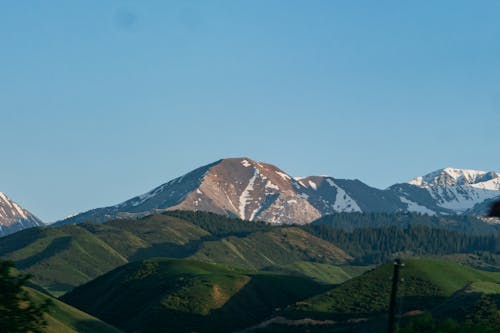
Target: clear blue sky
[[103, 100]]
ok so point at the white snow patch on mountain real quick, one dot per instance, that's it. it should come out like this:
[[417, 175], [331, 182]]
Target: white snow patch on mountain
[[145, 197], [283, 175], [272, 186], [5, 199], [313, 185], [492, 184], [468, 175], [13, 207], [416, 181], [460, 198], [453, 176], [459, 189], [19, 210], [415, 207], [343, 202], [252, 216], [245, 195], [330, 182], [246, 164]]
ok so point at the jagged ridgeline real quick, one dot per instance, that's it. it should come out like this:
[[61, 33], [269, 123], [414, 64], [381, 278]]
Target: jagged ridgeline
[[250, 190]]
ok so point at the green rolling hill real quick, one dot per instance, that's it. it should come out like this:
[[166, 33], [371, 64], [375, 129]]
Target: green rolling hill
[[426, 283], [61, 258], [63, 318], [360, 304], [168, 295], [196, 272]]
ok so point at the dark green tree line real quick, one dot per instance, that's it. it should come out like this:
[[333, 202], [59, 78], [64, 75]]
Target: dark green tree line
[[18, 313]]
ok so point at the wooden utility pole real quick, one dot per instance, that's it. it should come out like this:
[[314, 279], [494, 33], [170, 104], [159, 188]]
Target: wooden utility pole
[[394, 294]]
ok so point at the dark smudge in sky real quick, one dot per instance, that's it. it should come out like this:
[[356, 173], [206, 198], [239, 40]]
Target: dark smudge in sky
[[125, 19]]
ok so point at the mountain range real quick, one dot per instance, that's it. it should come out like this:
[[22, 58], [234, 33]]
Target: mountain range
[[250, 190]]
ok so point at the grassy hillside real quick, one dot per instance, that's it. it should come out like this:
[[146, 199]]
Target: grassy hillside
[[279, 246], [448, 290], [154, 236], [360, 304], [63, 318], [60, 258], [187, 296], [324, 273], [426, 283]]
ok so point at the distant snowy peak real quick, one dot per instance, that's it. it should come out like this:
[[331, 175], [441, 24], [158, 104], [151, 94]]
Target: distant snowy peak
[[14, 218], [453, 177], [458, 190], [10, 210]]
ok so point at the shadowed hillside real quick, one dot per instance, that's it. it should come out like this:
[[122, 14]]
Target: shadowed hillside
[[164, 295]]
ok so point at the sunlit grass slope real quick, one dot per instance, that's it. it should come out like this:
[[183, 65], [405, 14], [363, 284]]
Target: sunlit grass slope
[[63, 318]]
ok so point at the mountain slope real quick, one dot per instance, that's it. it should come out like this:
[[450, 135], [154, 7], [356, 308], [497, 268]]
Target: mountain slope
[[450, 190], [187, 296], [241, 187], [237, 187], [330, 195], [250, 190], [14, 218]]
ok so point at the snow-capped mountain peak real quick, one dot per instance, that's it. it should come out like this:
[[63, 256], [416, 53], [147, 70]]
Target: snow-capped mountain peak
[[453, 176], [459, 190], [13, 217]]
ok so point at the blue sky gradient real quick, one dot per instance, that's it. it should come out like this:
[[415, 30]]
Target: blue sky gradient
[[103, 100]]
